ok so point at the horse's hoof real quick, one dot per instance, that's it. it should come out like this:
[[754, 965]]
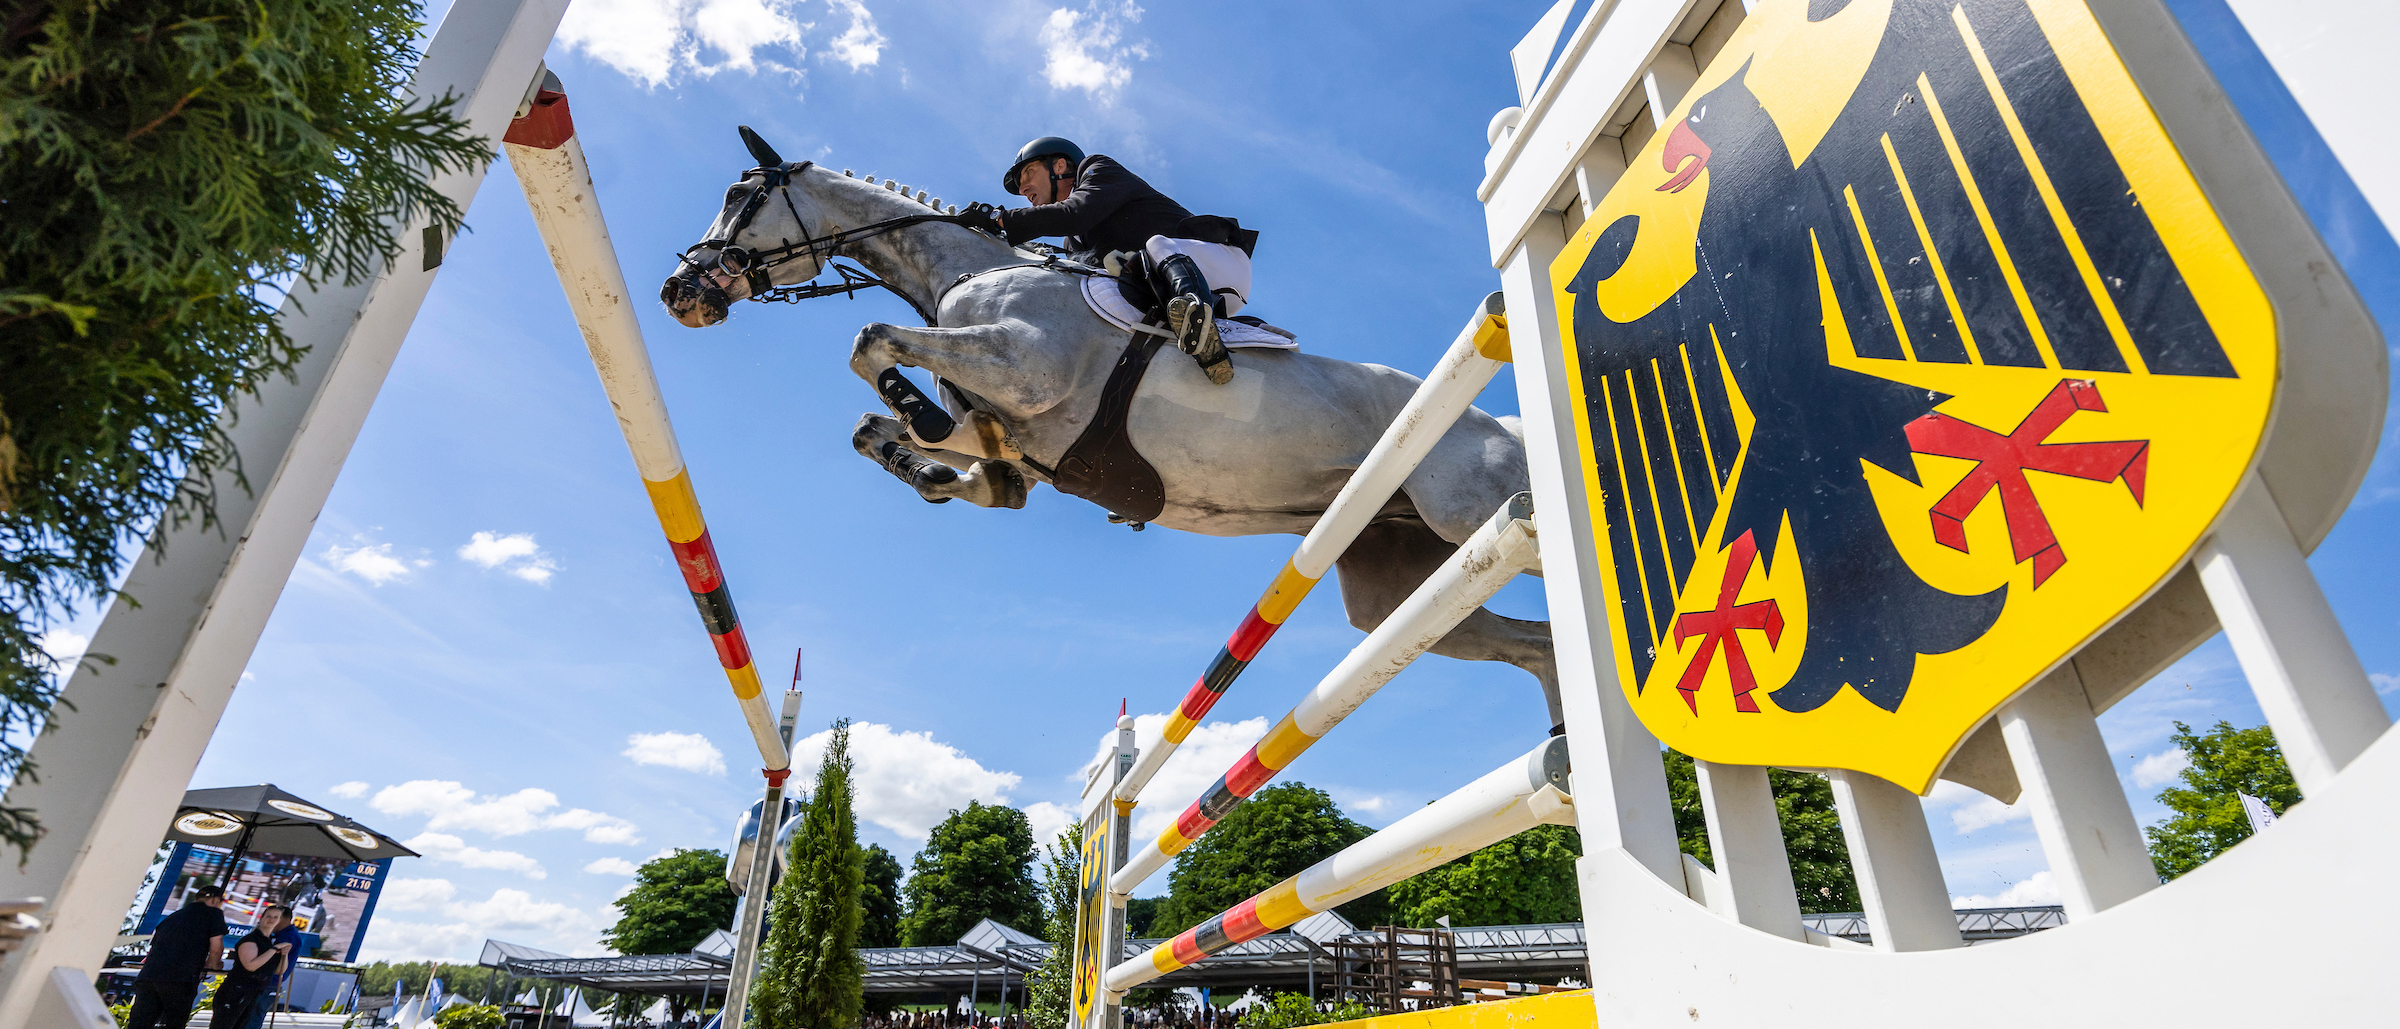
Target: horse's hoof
[[1007, 484]]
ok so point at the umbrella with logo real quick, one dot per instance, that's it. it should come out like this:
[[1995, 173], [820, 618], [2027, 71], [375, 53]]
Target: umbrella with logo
[[265, 818]]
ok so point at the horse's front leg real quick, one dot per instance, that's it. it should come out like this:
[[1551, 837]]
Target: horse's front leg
[[1022, 380], [983, 483]]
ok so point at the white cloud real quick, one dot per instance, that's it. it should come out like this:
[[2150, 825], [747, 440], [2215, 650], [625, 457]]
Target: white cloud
[[689, 751], [351, 790], [450, 805], [1086, 50], [611, 866], [416, 894], [1048, 820], [658, 41], [1205, 754], [65, 645], [907, 782], [516, 551], [452, 850], [1971, 810], [2033, 890], [516, 912], [2384, 683], [1371, 805], [2160, 768], [374, 564], [861, 45], [395, 940]]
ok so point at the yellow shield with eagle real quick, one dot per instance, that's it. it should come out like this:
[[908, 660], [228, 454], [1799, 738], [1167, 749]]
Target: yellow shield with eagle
[[1907, 357]]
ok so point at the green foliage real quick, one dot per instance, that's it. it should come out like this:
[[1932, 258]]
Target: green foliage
[[2208, 816], [169, 165], [1279, 831], [1140, 914], [1053, 984], [1529, 878], [879, 900], [676, 901], [1285, 1010], [977, 864], [376, 980], [1812, 832], [470, 1016], [810, 973], [123, 1013]]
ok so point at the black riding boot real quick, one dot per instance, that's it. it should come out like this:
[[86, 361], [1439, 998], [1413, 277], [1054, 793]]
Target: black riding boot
[[1192, 316]]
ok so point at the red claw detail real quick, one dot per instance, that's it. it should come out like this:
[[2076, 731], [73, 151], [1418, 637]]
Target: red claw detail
[[1683, 143], [1718, 625], [2002, 461]]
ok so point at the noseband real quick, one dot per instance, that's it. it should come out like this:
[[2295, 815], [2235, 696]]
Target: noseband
[[756, 266]]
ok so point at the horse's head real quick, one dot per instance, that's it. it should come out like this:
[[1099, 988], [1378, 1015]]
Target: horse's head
[[755, 243]]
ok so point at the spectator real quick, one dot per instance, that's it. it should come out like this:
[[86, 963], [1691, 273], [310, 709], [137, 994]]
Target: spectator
[[257, 964], [288, 936], [186, 945]]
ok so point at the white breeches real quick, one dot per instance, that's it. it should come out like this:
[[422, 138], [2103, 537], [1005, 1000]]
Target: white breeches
[[1227, 268]]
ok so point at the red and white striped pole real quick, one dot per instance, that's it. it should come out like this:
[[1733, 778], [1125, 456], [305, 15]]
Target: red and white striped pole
[[550, 166], [1469, 364]]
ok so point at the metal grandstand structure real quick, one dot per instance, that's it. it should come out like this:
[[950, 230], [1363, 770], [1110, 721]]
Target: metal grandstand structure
[[993, 960]]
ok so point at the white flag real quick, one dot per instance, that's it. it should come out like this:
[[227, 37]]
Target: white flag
[[2261, 816]]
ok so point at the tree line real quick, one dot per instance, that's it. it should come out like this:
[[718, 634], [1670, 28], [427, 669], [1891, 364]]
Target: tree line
[[982, 861]]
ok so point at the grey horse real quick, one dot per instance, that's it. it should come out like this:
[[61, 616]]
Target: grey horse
[[1023, 359]]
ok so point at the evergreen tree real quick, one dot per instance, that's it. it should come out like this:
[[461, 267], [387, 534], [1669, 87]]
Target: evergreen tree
[[2208, 818], [676, 901], [1812, 832], [1527, 879], [1053, 984], [977, 864], [879, 900], [1279, 831], [168, 165], [810, 974]]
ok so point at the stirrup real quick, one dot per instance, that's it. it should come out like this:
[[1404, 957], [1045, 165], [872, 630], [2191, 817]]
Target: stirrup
[[1196, 334]]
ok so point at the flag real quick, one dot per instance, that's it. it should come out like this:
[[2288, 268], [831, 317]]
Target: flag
[[2261, 816]]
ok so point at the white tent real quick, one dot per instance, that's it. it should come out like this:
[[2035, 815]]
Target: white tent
[[657, 1012], [410, 1013]]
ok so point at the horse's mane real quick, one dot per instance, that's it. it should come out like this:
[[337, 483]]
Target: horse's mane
[[895, 186]]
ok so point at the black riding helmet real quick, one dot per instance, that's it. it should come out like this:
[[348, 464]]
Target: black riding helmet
[[1039, 150]]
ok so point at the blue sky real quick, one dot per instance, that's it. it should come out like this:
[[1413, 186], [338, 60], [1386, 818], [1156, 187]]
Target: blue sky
[[486, 650]]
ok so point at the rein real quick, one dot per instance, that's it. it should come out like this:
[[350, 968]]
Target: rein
[[757, 266]]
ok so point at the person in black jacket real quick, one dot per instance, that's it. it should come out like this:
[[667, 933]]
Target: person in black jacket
[[258, 963], [1103, 209], [186, 946]]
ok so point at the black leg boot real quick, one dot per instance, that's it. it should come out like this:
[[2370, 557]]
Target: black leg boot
[[1191, 315]]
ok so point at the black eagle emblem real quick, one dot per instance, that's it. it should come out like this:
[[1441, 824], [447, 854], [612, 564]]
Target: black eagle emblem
[[1966, 210]]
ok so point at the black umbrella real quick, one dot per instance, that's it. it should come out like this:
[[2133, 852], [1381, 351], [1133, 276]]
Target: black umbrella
[[265, 818]]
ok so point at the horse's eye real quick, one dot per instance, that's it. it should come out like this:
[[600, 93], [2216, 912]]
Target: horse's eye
[[733, 194]]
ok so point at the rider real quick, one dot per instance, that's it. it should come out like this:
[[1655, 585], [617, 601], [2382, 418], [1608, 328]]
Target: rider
[[1104, 209]]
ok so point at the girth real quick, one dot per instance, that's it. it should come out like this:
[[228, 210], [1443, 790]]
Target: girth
[[1102, 466]]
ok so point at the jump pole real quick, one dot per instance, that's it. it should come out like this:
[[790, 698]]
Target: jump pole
[[1478, 354], [1503, 547], [550, 165], [1530, 791]]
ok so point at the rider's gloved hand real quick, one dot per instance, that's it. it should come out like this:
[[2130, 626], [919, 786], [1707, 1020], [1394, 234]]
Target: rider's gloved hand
[[980, 218]]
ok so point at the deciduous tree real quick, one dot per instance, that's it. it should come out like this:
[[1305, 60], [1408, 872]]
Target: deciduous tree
[[1812, 832], [810, 974], [1279, 831], [168, 166], [2208, 818], [1053, 984], [879, 900], [977, 864], [676, 901], [1529, 878]]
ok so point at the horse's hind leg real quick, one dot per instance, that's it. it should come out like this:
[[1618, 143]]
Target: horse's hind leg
[[1389, 561], [983, 483]]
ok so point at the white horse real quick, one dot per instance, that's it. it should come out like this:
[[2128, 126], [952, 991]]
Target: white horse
[[1023, 360]]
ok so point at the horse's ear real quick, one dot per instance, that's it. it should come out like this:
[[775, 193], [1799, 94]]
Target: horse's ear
[[765, 155]]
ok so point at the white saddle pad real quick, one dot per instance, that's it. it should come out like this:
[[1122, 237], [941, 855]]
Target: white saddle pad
[[1107, 297]]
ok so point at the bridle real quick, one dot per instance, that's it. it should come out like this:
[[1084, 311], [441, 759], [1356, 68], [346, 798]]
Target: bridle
[[757, 266]]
